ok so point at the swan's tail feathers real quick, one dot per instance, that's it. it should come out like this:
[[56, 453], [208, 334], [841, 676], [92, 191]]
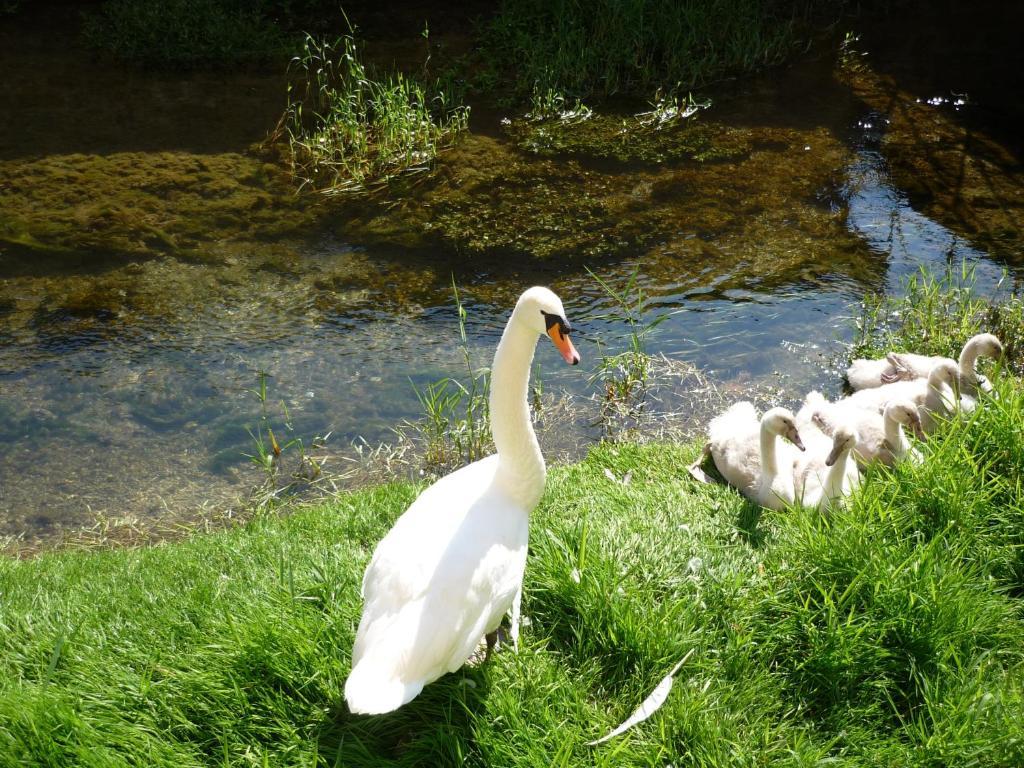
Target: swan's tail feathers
[[370, 690]]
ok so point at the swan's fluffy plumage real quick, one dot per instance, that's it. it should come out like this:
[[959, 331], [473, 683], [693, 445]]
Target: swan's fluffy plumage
[[451, 566], [826, 472], [935, 396], [748, 454]]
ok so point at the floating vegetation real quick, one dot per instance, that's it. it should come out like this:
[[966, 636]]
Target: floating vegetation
[[350, 130], [665, 133]]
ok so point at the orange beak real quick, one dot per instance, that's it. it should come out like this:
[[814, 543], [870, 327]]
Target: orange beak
[[564, 344]]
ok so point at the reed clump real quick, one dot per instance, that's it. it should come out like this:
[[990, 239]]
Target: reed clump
[[350, 129]]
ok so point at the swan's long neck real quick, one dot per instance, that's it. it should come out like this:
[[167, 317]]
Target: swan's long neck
[[896, 438], [833, 485], [969, 358], [521, 469], [769, 460], [968, 374]]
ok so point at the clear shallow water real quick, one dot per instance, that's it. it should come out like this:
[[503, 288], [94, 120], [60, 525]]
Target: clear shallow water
[[127, 360]]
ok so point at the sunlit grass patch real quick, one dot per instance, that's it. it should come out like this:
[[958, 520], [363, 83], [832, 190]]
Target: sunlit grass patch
[[889, 632]]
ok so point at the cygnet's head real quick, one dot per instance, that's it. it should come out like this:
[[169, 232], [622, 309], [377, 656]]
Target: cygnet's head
[[982, 345], [904, 412], [844, 440], [541, 309], [985, 345], [946, 373], [781, 422]]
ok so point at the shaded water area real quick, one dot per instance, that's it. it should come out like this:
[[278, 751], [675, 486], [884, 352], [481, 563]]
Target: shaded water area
[[152, 261]]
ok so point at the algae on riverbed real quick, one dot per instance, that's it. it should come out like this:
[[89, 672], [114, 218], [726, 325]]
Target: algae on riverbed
[[137, 204]]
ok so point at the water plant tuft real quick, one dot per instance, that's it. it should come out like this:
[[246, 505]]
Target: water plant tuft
[[624, 375], [271, 454], [454, 425], [350, 129]]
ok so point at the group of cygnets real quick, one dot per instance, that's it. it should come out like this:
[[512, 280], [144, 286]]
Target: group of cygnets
[[830, 442]]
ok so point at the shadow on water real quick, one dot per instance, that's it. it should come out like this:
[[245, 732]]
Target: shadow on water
[[151, 265]]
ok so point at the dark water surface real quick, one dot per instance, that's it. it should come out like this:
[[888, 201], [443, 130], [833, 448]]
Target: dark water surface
[[151, 262]]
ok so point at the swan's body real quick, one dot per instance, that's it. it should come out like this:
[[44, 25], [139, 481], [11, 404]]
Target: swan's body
[[747, 453], [827, 471], [880, 437], [936, 396], [451, 566], [907, 366]]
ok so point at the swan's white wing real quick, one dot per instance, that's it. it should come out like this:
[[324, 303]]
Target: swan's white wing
[[442, 577], [410, 550]]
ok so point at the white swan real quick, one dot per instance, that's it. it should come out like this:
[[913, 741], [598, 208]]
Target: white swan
[[827, 472], [880, 437], [448, 570], [747, 454], [906, 366], [938, 395]]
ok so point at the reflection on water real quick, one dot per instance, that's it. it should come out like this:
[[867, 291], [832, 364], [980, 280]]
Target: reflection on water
[[141, 292]]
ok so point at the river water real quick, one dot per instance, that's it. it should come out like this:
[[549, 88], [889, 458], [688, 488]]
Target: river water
[[152, 261]]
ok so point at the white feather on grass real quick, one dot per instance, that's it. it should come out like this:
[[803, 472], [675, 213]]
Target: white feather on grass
[[649, 706]]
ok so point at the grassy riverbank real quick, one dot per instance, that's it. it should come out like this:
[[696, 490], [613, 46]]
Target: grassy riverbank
[[889, 634]]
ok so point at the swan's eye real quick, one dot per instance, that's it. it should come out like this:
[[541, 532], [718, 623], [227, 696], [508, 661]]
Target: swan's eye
[[551, 320]]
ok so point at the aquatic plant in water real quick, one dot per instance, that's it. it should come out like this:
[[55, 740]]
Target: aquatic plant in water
[[269, 454], [624, 375], [454, 425], [349, 130]]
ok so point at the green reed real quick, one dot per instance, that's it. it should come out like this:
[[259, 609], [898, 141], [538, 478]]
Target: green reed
[[350, 129], [936, 314], [604, 47], [186, 33], [624, 376], [454, 424], [271, 454]]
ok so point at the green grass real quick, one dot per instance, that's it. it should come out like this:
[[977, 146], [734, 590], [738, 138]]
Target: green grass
[[890, 633], [601, 47]]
